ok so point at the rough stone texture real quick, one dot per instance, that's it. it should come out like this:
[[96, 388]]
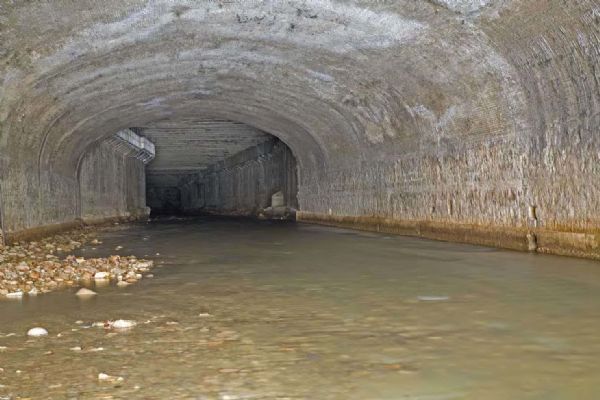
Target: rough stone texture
[[450, 112], [112, 184]]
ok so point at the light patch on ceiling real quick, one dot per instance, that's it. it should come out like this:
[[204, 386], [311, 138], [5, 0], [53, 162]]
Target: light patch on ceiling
[[322, 24], [464, 6]]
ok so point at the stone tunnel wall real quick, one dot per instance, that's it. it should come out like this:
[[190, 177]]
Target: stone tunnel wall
[[465, 120], [244, 182], [112, 184]]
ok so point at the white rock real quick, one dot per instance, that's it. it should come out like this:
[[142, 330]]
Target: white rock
[[118, 247], [100, 276], [108, 378], [33, 292], [433, 298], [123, 284], [37, 332], [15, 295], [85, 293], [123, 324]]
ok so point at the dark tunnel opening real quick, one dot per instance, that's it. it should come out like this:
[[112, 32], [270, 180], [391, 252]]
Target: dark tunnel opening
[[219, 167]]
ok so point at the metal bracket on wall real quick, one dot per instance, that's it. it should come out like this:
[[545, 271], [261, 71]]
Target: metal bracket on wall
[[137, 146]]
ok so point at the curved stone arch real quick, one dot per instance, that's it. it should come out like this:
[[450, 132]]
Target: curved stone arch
[[446, 111]]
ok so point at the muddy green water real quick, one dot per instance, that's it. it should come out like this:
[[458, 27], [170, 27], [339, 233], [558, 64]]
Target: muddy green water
[[246, 310]]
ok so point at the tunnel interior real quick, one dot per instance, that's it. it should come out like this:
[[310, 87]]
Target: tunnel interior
[[443, 119], [217, 166], [468, 121]]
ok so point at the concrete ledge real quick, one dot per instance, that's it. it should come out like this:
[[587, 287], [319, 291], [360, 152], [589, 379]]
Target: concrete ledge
[[575, 244], [40, 232]]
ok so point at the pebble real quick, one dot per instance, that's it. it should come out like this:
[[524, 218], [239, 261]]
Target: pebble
[[37, 332], [100, 276], [85, 293], [108, 378], [123, 324], [433, 298], [32, 268]]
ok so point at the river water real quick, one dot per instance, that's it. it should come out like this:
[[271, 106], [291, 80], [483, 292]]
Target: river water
[[240, 309]]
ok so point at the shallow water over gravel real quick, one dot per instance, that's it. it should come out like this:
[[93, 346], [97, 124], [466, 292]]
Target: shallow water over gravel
[[246, 310]]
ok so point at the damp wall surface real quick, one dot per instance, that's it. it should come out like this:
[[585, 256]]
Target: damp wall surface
[[112, 184], [109, 185]]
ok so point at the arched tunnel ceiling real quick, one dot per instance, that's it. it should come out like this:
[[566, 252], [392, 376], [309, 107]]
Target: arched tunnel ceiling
[[191, 145], [331, 78], [431, 109]]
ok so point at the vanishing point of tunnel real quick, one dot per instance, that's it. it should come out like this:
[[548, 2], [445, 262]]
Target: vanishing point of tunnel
[[300, 199]]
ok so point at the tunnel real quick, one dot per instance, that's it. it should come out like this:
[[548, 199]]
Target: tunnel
[[217, 166], [443, 119], [299, 199]]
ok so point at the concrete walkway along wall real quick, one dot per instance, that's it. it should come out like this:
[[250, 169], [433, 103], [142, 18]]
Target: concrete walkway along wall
[[464, 120]]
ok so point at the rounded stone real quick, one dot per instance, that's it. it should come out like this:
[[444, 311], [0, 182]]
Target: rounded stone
[[37, 332], [85, 293]]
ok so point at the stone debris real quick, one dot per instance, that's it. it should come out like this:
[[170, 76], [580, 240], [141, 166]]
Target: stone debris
[[101, 276], [109, 378], [433, 298], [123, 324], [37, 332], [32, 268], [119, 324], [85, 293]]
